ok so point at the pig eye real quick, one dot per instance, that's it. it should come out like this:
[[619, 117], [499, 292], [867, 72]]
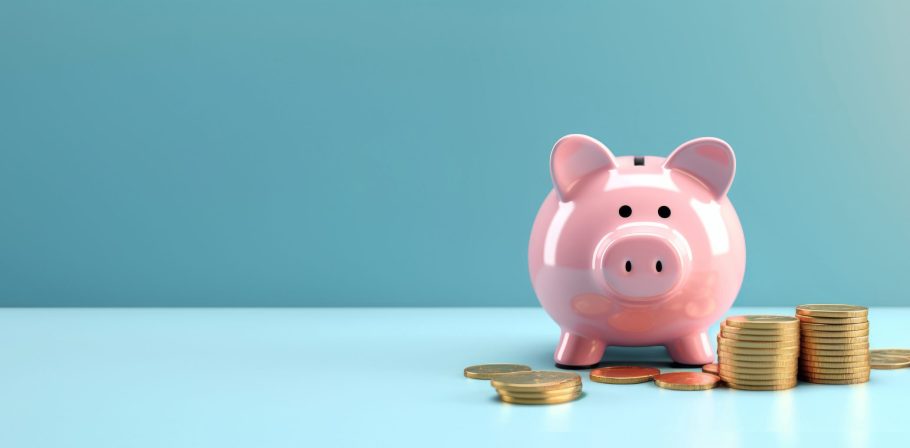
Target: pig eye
[[664, 211], [625, 211]]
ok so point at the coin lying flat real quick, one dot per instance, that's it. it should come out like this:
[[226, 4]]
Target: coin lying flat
[[767, 387], [786, 331], [832, 310], [832, 320], [834, 334], [733, 358], [854, 352], [733, 370], [541, 394], [826, 381], [487, 371], [835, 376], [792, 344], [833, 365], [686, 381], [762, 321], [769, 377], [893, 351], [783, 351], [535, 380], [880, 361], [793, 338], [808, 341], [710, 368], [624, 374], [832, 328], [811, 358], [550, 400]]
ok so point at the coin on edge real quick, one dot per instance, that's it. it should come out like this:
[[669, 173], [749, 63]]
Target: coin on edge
[[624, 374], [487, 371]]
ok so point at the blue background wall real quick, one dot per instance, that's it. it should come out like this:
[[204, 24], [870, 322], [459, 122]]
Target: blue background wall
[[346, 153]]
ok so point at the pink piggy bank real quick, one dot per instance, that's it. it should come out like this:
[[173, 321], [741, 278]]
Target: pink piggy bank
[[637, 251]]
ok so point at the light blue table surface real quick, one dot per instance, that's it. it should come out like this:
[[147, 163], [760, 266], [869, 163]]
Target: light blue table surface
[[383, 377]]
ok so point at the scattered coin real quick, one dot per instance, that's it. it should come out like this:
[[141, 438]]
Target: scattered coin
[[488, 371], [709, 368], [882, 361], [535, 380], [547, 400], [686, 381], [624, 374], [893, 351]]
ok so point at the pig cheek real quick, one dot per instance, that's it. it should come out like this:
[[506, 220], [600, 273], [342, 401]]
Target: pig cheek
[[702, 304], [591, 305]]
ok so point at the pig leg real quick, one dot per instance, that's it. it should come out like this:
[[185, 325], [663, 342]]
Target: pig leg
[[694, 349], [578, 352]]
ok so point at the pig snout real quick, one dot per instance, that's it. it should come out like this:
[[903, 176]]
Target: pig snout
[[643, 263]]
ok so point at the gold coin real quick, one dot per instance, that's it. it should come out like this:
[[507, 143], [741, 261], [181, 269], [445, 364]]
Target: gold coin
[[854, 352], [807, 327], [733, 370], [879, 361], [541, 394], [776, 377], [686, 381], [852, 358], [833, 320], [710, 368], [836, 341], [733, 358], [823, 381], [826, 310], [535, 380], [778, 332], [789, 351], [771, 382], [762, 321], [853, 346], [751, 344], [834, 376], [817, 369], [893, 351], [833, 365], [748, 387], [487, 371], [759, 338], [624, 374], [550, 400]]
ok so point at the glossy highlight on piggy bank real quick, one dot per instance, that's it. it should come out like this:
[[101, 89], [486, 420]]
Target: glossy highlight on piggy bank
[[637, 251]]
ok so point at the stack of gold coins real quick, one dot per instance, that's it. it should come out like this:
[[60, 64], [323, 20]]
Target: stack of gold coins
[[537, 387], [835, 343], [758, 352]]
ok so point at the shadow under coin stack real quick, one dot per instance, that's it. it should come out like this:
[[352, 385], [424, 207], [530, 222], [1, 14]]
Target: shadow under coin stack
[[537, 387], [835, 344], [758, 352]]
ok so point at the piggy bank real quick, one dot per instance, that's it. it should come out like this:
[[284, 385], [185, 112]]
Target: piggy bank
[[637, 251]]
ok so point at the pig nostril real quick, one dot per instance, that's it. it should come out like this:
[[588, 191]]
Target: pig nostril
[[659, 266], [628, 266]]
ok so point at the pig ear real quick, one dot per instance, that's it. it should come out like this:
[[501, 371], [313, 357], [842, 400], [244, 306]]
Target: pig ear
[[710, 160], [575, 156]]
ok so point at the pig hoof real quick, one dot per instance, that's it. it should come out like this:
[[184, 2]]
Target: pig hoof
[[574, 351], [569, 367], [693, 350]]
